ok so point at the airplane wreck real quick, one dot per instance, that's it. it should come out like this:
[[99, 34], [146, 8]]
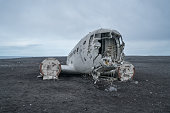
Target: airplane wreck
[[99, 54]]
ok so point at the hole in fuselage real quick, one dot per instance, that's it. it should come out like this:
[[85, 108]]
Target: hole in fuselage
[[108, 47]]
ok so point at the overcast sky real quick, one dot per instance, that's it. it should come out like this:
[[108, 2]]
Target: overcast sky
[[53, 27]]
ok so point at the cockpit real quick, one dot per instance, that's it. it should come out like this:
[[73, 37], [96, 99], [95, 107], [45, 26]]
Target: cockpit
[[110, 44]]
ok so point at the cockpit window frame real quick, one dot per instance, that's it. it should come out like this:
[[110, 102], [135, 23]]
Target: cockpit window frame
[[98, 35], [106, 34]]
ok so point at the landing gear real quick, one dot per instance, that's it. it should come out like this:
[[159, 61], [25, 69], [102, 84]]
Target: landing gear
[[50, 68], [123, 72], [126, 71]]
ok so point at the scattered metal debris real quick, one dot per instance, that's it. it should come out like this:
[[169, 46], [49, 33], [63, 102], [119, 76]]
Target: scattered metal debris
[[111, 88], [135, 82]]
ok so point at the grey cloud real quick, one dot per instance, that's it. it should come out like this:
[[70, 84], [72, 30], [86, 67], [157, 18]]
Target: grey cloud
[[71, 20]]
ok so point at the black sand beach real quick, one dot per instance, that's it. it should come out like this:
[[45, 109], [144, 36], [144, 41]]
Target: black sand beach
[[22, 92]]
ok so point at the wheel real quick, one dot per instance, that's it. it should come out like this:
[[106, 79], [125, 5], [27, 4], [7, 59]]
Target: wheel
[[50, 68], [126, 72]]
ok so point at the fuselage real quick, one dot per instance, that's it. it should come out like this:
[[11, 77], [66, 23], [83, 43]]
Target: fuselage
[[101, 48], [99, 54]]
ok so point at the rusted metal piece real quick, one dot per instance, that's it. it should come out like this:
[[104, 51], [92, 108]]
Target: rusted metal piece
[[50, 68]]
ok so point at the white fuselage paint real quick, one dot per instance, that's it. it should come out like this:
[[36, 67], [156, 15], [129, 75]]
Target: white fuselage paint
[[85, 56]]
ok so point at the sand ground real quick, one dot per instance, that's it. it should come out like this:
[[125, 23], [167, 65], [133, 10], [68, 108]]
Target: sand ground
[[22, 92]]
